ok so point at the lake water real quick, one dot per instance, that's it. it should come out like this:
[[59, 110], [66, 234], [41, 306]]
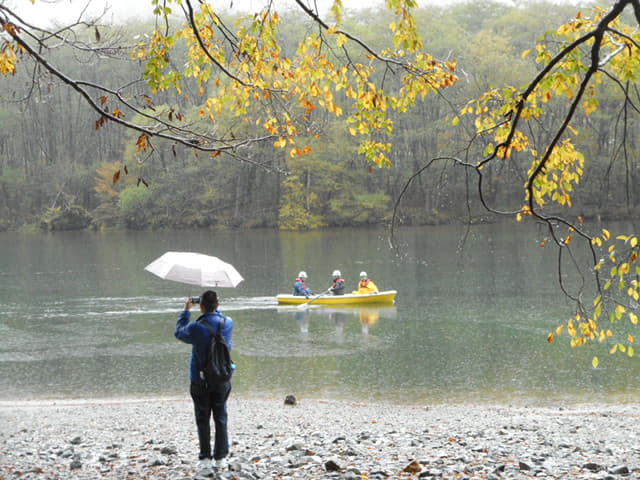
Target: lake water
[[79, 317]]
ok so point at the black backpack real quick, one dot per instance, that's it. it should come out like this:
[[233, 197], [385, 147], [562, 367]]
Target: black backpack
[[218, 366]]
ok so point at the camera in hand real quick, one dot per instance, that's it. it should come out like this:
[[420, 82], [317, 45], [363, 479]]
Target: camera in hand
[[195, 300]]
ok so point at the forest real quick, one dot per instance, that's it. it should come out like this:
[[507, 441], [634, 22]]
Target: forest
[[58, 163]]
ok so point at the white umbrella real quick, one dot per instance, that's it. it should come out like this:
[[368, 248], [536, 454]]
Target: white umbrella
[[195, 269]]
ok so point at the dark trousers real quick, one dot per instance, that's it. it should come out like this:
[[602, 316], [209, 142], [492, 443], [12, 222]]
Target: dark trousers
[[207, 402]]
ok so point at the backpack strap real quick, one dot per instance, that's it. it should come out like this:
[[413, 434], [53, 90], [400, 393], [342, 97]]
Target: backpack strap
[[209, 327]]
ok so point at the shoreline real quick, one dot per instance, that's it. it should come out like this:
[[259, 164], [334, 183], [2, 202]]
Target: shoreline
[[568, 403], [332, 439], [487, 399]]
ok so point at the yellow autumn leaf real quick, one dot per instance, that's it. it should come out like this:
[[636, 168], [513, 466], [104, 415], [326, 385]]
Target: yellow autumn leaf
[[590, 106], [630, 351], [630, 338], [526, 53], [595, 362], [550, 337]]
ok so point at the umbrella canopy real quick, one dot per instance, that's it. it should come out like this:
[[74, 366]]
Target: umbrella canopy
[[195, 269]]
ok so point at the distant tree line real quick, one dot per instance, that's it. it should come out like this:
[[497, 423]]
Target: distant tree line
[[58, 163]]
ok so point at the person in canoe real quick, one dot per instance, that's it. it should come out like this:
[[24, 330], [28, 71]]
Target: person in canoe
[[300, 288], [337, 288], [366, 285]]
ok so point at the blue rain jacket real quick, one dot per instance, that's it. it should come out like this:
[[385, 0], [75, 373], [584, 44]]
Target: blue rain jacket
[[198, 336], [300, 288]]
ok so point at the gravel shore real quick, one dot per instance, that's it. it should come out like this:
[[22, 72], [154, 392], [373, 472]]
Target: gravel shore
[[156, 439]]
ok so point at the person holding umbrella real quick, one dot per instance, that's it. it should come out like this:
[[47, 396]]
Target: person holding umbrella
[[195, 268], [207, 401]]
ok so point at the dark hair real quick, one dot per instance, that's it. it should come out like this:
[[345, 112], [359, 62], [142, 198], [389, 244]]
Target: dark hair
[[209, 300]]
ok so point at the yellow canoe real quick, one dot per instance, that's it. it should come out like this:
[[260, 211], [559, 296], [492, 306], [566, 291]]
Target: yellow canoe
[[349, 299]]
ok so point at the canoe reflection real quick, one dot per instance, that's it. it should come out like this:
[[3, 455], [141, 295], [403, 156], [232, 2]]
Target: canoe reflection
[[366, 316]]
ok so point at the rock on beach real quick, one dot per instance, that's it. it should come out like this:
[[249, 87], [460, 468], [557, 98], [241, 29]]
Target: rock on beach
[[316, 439]]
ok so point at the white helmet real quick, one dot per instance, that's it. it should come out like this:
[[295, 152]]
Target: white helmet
[[363, 274], [302, 274], [336, 273]]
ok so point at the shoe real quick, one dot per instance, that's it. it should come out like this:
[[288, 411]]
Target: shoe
[[203, 464], [221, 464]]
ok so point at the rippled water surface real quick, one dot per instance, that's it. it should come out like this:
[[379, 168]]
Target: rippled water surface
[[80, 317]]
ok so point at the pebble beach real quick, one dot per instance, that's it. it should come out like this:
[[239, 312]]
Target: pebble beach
[[318, 439]]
